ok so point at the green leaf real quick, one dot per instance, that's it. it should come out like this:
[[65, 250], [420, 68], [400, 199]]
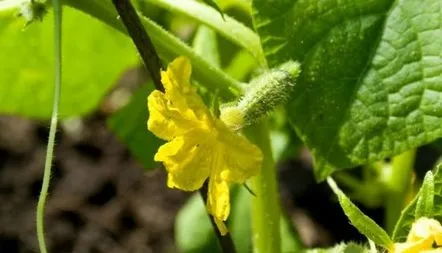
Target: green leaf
[[403, 225], [437, 212], [130, 125], [94, 55], [420, 205], [359, 220], [425, 202], [372, 74], [193, 230]]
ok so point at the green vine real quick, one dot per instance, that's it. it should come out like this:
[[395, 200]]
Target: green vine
[[53, 128]]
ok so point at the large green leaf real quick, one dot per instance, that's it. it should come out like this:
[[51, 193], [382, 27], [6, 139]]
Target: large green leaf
[[193, 230], [94, 55], [372, 74]]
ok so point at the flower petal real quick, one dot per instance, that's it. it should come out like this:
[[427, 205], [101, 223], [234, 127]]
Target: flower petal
[[242, 158], [218, 198], [176, 80], [424, 228], [165, 121], [187, 161], [424, 232], [177, 76], [413, 247], [198, 145]]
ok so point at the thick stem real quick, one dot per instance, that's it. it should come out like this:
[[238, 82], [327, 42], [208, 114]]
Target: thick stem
[[265, 206], [53, 128], [398, 185], [141, 40]]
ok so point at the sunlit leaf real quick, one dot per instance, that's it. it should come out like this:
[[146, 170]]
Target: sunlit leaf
[[372, 74], [94, 56]]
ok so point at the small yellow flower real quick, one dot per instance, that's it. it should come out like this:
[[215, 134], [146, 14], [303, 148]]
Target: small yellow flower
[[424, 234], [199, 146]]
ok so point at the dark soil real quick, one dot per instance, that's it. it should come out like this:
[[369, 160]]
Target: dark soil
[[100, 199]]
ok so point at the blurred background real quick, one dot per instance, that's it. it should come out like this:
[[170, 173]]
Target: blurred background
[[102, 199]]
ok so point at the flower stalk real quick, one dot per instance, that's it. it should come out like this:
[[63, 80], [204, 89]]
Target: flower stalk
[[139, 36], [265, 206]]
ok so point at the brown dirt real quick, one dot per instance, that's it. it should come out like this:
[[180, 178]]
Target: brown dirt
[[100, 199]]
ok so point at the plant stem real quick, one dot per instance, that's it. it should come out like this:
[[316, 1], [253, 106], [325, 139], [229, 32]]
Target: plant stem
[[53, 128], [398, 185], [141, 40], [265, 206]]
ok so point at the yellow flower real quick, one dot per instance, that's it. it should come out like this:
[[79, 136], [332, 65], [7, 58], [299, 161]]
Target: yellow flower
[[199, 146], [423, 235]]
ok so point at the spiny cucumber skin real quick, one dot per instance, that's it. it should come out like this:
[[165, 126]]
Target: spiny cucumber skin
[[265, 93], [269, 91]]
